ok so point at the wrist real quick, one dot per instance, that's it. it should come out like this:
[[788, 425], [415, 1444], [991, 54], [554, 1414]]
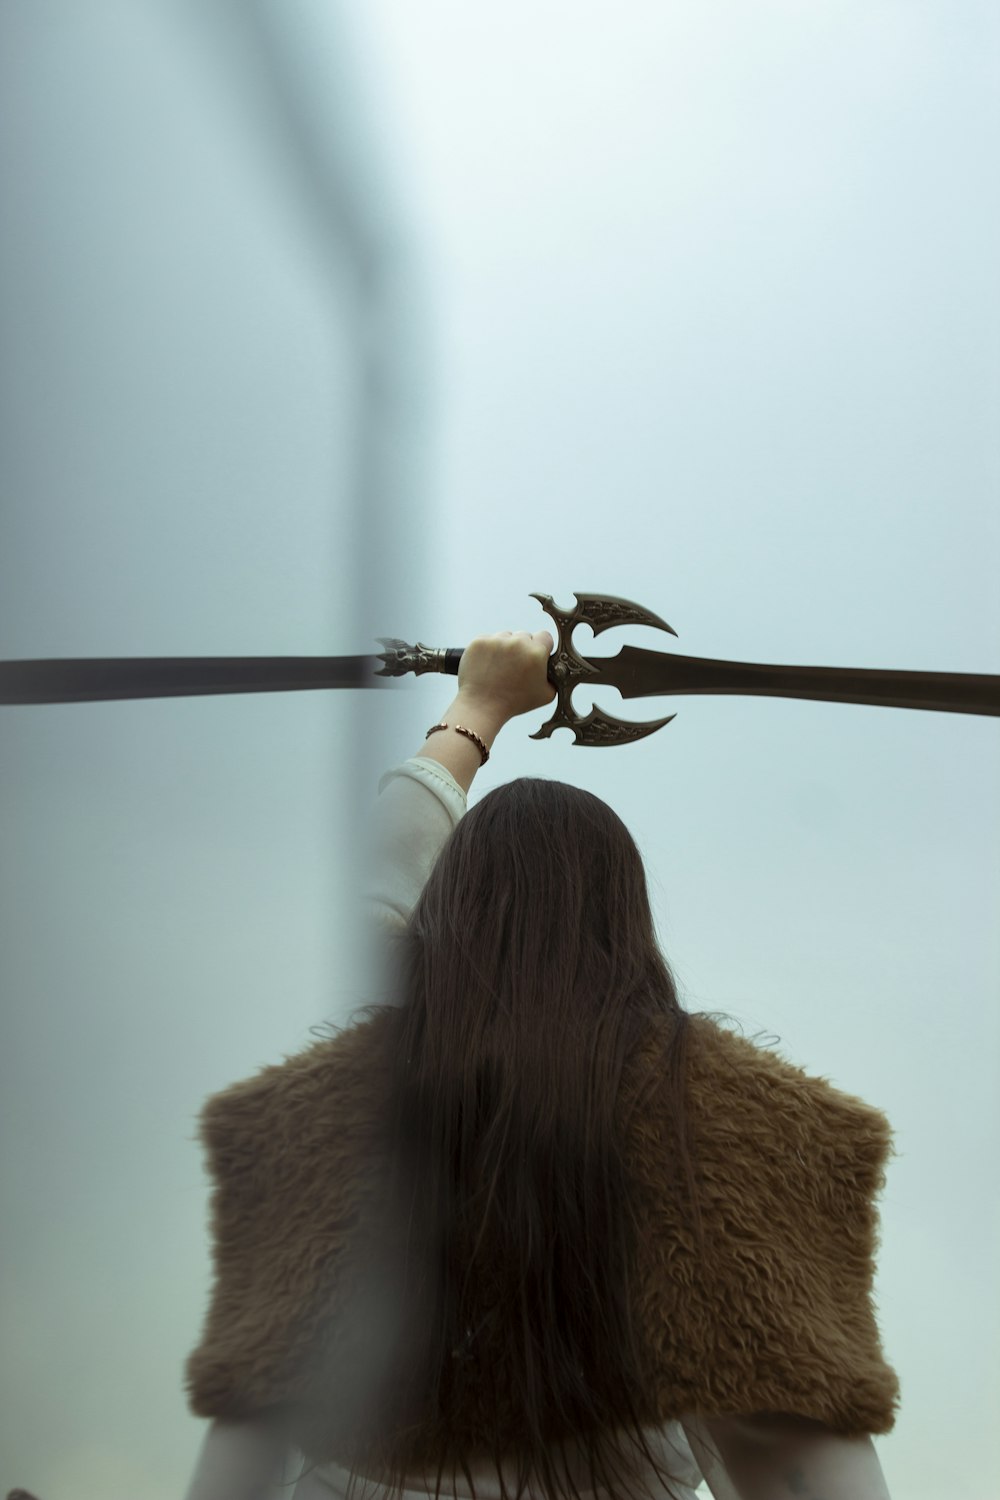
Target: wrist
[[457, 752], [485, 715]]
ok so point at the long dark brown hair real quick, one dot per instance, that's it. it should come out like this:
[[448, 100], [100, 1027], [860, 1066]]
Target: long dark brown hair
[[528, 974]]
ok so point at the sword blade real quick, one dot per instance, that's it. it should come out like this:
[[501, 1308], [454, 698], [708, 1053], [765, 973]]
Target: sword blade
[[83, 680], [639, 673]]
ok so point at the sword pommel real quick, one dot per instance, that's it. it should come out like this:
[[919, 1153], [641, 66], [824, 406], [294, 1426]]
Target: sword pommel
[[399, 657]]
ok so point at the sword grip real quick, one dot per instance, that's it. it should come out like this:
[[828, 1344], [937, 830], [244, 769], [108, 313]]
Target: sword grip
[[452, 656]]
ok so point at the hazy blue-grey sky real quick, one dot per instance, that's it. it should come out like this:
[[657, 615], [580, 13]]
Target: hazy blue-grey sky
[[326, 321]]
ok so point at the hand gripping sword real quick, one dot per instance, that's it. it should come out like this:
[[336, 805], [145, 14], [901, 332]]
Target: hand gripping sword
[[635, 672]]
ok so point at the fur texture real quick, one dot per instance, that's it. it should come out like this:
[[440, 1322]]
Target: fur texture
[[777, 1316]]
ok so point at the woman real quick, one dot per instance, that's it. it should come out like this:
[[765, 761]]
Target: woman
[[561, 1236]]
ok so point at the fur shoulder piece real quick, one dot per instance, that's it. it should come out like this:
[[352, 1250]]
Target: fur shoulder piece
[[777, 1315], [288, 1153]]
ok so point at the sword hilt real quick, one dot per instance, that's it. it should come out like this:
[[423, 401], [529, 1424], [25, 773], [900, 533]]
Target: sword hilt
[[566, 666], [398, 658]]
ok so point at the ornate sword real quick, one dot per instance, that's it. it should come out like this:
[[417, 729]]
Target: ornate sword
[[635, 672]]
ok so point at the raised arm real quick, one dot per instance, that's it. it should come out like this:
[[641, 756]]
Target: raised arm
[[499, 677], [422, 799]]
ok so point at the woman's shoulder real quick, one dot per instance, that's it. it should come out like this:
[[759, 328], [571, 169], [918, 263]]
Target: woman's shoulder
[[329, 1084], [723, 1066]]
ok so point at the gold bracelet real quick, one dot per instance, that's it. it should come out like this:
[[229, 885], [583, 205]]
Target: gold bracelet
[[469, 734]]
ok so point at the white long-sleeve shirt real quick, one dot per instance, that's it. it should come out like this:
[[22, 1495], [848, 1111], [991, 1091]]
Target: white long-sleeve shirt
[[418, 805]]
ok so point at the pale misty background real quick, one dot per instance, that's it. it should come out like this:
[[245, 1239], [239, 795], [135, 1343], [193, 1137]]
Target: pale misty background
[[324, 321]]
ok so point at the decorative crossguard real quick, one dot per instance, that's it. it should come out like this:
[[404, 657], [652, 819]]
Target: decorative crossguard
[[567, 667], [634, 672]]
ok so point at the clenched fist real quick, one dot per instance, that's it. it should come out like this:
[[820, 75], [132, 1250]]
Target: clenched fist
[[507, 672]]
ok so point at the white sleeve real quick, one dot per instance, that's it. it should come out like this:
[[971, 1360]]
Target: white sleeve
[[418, 805], [240, 1460], [765, 1455]]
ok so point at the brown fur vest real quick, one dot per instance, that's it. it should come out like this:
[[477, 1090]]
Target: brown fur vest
[[776, 1316]]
